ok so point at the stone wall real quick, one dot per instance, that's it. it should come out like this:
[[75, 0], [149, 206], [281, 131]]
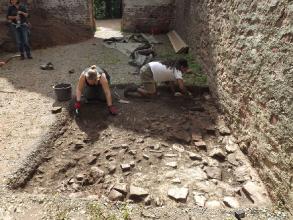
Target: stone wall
[[147, 16], [73, 11], [54, 22], [245, 47]]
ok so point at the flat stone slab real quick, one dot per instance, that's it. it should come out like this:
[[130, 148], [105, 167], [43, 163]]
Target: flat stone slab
[[115, 195], [121, 187], [171, 164], [194, 156], [256, 193], [179, 194], [137, 192], [231, 202], [199, 199], [125, 167], [217, 153], [214, 172], [213, 204]]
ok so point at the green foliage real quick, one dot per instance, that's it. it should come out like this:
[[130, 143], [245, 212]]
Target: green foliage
[[107, 9]]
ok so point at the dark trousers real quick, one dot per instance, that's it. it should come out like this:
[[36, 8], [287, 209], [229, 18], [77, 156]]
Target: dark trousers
[[21, 33]]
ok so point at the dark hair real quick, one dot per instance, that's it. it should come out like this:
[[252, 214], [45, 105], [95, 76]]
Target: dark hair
[[177, 64], [17, 2]]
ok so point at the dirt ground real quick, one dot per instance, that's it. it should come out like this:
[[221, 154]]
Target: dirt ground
[[164, 145]]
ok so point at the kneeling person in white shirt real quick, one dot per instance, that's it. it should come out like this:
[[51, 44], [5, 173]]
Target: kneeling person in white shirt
[[157, 72]]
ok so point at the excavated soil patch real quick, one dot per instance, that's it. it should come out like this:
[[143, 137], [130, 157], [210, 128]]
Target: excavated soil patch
[[158, 152]]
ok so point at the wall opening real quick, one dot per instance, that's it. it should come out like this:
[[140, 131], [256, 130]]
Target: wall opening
[[107, 9]]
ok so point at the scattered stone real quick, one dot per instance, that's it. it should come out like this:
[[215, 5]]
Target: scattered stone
[[230, 148], [255, 193], [121, 187], [146, 157], [47, 66], [205, 186], [231, 158], [124, 146], [71, 181], [140, 140], [223, 129], [159, 202], [132, 152], [176, 181], [80, 177], [194, 156], [96, 173], [148, 214], [171, 155], [231, 202], [201, 145], [242, 174], [196, 136], [178, 147], [91, 160], [78, 146], [199, 199], [213, 204], [56, 110], [111, 168], [132, 164], [214, 172], [196, 173], [182, 135], [159, 155], [179, 194], [239, 214], [172, 164], [125, 167], [116, 196], [137, 193], [71, 71], [148, 200], [218, 154], [211, 129]]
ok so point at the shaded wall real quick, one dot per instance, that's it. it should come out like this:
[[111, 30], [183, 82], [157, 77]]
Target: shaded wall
[[147, 16], [245, 47], [54, 22]]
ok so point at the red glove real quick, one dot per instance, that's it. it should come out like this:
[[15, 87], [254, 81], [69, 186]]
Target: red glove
[[77, 105], [113, 110]]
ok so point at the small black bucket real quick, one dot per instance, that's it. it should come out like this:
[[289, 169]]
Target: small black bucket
[[62, 91]]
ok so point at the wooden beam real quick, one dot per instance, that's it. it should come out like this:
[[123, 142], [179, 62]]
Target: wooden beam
[[178, 44]]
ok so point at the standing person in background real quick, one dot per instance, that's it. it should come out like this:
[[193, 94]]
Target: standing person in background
[[17, 15]]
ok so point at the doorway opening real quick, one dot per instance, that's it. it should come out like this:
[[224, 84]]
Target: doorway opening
[[107, 9]]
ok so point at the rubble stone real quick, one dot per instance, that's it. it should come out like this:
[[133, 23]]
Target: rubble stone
[[116, 196], [179, 194], [199, 199], [231, 202], [214, 172]]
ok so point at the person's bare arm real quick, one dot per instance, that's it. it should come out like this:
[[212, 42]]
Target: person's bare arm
[[106, 88], [182, 88], [79, 88], [25, 14]]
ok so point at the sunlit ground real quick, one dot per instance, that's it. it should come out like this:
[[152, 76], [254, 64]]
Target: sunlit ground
[[108, 28]]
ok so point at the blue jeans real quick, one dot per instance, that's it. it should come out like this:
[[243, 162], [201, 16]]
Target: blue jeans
[[22, 39]]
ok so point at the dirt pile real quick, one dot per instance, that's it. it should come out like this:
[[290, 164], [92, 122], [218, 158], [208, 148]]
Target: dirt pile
[[46, 32]]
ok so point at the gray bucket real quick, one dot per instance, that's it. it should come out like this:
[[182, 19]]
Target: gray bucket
[[63, 91]]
